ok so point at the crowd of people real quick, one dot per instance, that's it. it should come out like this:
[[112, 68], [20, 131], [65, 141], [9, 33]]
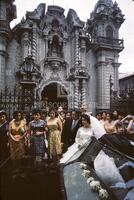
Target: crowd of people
[[47, 135], [116, 122]]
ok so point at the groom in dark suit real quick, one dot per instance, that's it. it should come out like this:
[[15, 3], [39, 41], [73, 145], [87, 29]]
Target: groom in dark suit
[[70, 129]]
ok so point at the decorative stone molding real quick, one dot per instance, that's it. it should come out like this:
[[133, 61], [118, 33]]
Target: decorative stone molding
[[29, 72], [45, 83]]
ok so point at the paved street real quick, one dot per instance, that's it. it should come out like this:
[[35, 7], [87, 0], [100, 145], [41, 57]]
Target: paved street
[[32, 183]]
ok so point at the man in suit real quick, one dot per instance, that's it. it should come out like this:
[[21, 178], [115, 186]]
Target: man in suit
[[70, 129]]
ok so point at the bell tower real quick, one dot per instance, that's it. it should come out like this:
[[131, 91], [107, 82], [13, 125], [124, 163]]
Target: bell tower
[[7, 14], [103, 27]]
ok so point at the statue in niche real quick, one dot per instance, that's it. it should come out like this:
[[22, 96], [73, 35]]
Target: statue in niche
[[55, 42], [55, 46]]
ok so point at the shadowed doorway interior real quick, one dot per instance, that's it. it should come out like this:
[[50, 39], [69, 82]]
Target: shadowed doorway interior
[[54, 95]]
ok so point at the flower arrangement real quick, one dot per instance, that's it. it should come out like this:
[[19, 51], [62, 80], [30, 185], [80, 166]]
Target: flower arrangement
[[86, 173], [103, 194], [90, 179], [83, 166], [94, 185]]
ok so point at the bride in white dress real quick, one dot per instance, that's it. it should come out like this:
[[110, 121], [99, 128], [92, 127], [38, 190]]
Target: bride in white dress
[[103, 164]]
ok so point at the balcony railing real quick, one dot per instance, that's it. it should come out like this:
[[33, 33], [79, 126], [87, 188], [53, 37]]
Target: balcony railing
[[108, 41], [80, 72]]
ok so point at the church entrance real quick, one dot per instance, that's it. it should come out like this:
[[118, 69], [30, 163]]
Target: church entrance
[[54, 95]]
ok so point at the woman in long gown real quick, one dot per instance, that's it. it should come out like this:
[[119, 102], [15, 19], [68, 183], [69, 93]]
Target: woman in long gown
[[17, 132], [37, 133], [104, 165], [54, 137]]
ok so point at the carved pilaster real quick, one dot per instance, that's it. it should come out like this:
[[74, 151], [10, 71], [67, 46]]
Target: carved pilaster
[[83, 95], [76, 94]]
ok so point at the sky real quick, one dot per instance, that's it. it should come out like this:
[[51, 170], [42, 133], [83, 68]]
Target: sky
[[83, 8]]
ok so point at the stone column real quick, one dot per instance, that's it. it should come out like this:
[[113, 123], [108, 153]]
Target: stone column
[[76, 63], [84, 99], [34, 44], [76, 94], [76, 48]]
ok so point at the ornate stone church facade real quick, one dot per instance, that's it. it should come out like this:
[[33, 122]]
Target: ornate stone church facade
[[61, 59]]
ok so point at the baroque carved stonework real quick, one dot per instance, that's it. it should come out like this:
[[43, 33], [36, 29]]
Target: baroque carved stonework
[[63, 50]]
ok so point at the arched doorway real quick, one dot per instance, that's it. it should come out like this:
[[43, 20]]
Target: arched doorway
[[54, 95]]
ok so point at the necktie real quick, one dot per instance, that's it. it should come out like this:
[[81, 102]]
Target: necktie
[[73, 123]]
